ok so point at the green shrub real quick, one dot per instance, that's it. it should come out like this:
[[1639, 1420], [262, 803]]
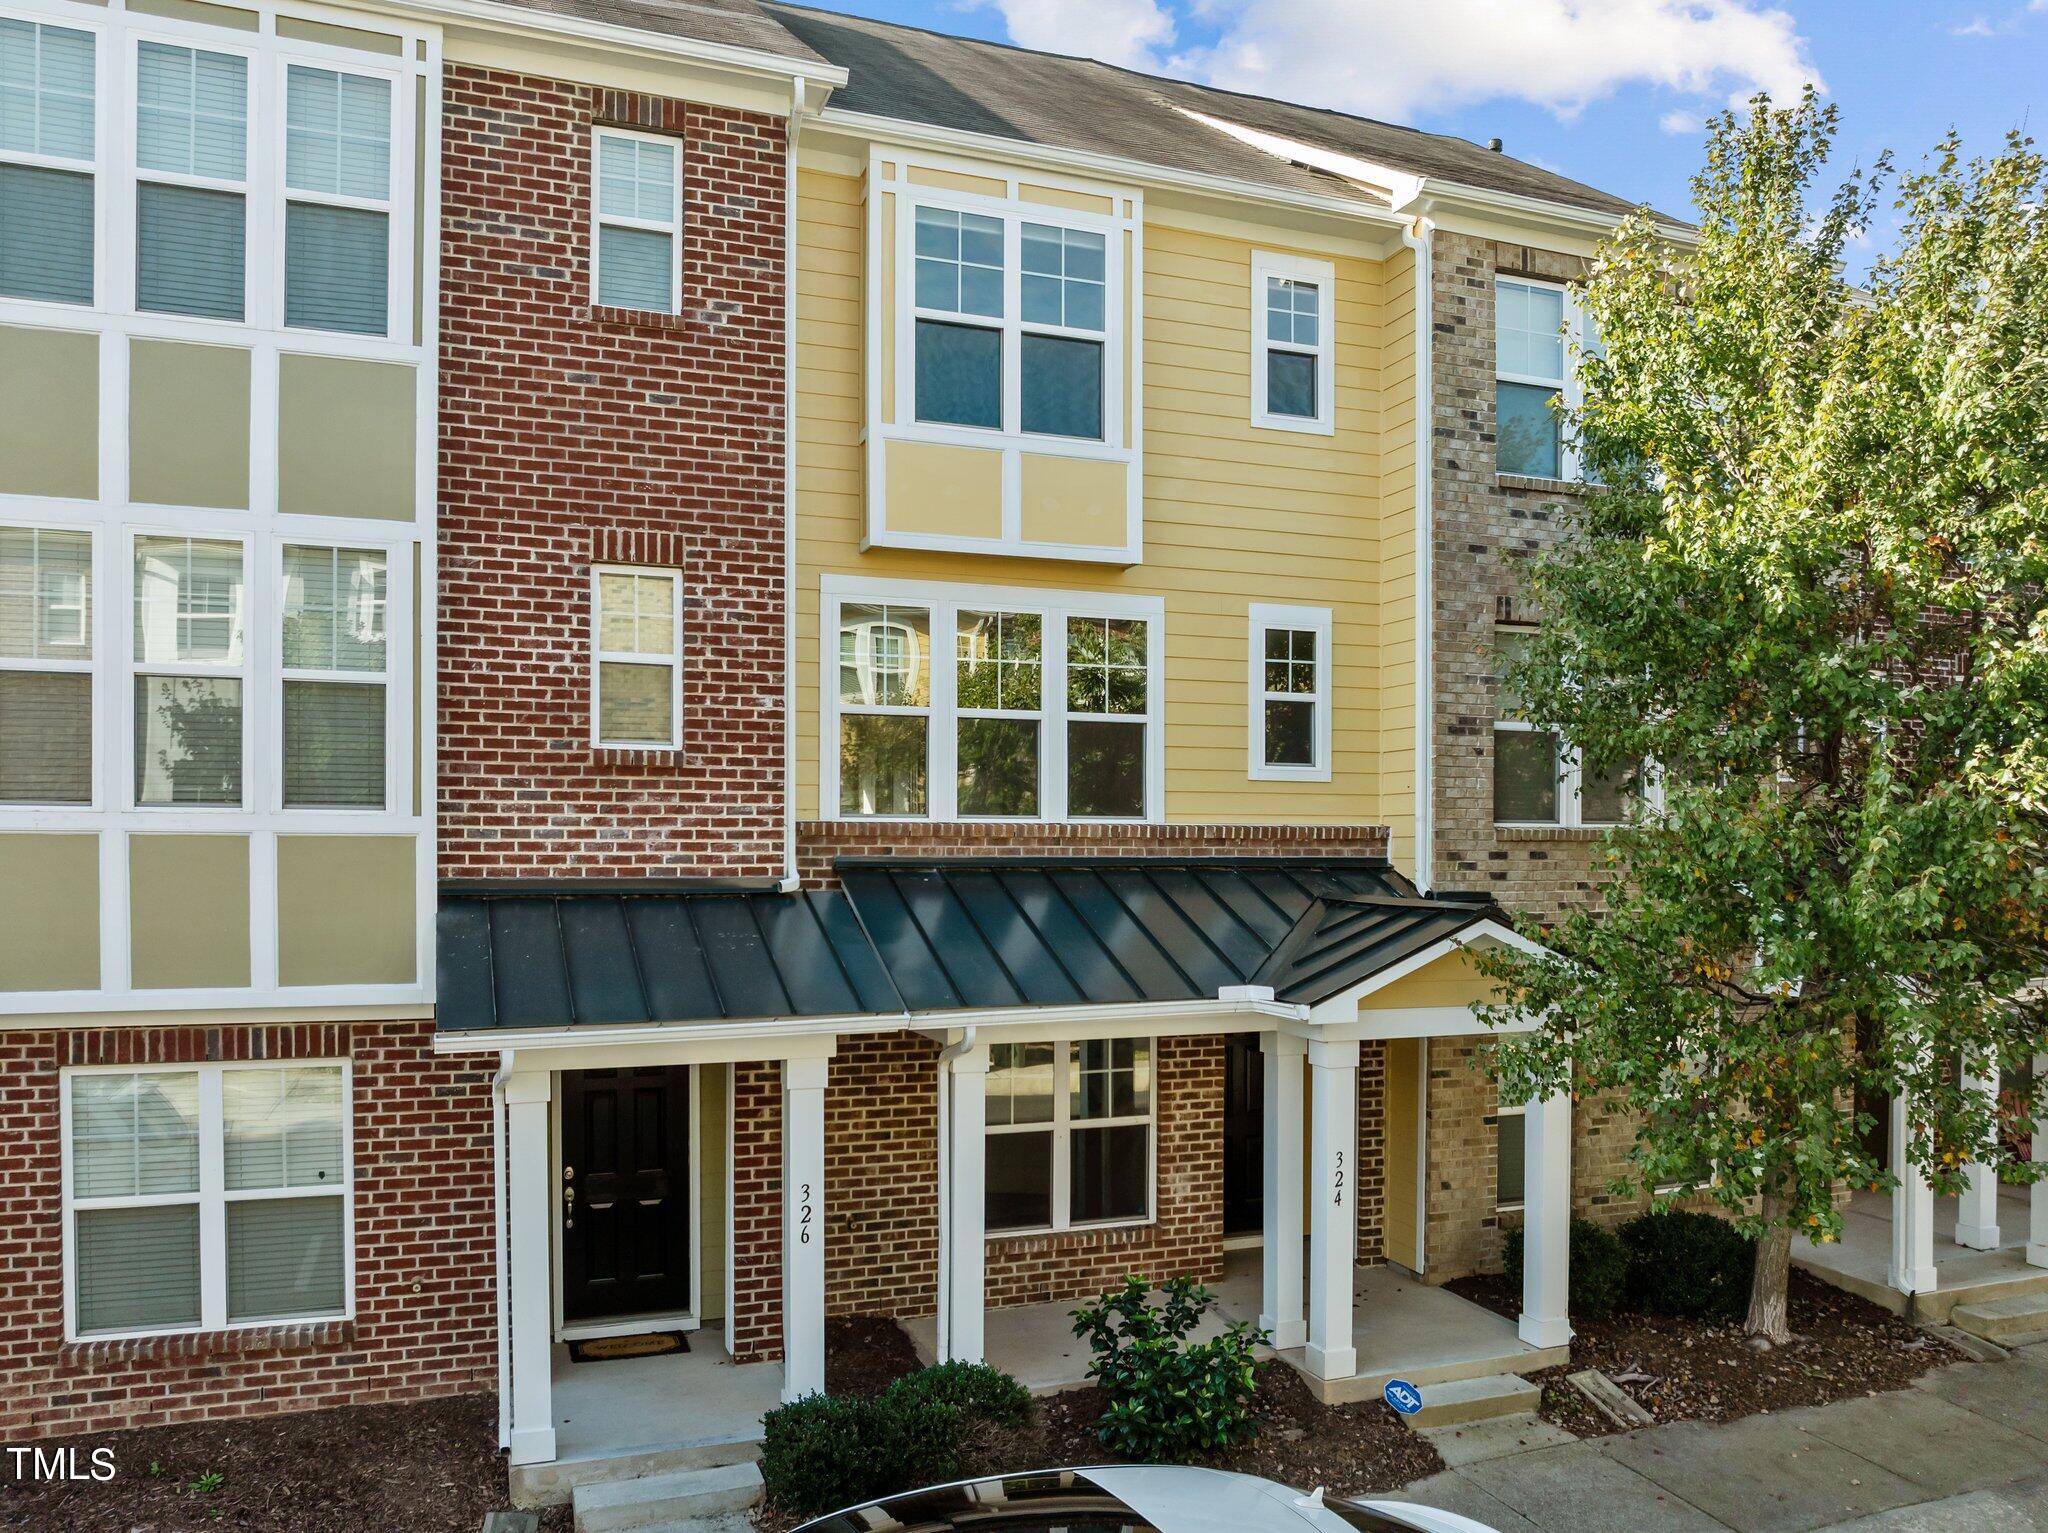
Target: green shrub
[[1599, 1273], [1685, 1263], [1170, 1399], [825, 1452], [977, 1391]]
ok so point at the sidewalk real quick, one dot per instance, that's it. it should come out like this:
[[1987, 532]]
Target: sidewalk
[[1966, 1448]]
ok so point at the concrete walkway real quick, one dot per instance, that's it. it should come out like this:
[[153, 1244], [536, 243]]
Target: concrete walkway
[[1966, 1448]]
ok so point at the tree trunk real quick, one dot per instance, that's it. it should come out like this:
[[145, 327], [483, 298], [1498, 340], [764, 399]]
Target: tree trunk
[[1769, 1323]]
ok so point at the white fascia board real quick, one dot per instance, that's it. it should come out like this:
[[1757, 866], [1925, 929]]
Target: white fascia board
[[1480, 935], [765, 1031], [495, 15], [1419, 1022], [1133, 1017], [1114, 168]]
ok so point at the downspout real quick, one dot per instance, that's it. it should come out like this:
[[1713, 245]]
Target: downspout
[[498, 1246], [943, 1326], [790, 881], [1420, 237]]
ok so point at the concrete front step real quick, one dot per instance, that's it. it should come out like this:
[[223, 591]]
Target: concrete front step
[[552, 1484], [2022, 1317], [1459, 1401], [658, 1503]]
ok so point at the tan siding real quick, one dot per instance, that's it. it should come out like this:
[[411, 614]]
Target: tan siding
[[346, 910], [188, 425], [188, 911], [49, 412], [50, 912]]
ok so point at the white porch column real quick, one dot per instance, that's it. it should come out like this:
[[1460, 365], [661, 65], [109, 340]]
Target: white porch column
[[1547, 1221], [966, 1306], [2037, 1195], [1912, 1263], [1280, 1307], [1333, 1205], [530, 1213], [1977, 1206], [803, 1227]]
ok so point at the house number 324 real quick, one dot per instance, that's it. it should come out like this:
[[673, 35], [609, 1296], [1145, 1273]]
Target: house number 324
[[803, 1217], [1337, 1182]]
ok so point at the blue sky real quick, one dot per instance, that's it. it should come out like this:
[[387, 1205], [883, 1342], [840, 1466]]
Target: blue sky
[[1608, 91]]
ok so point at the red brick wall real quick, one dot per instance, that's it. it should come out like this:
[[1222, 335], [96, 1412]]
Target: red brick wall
[[571, 434], [882, 1177], [756, 1320], [819, 842], [1371, 1155], [423, 1286]]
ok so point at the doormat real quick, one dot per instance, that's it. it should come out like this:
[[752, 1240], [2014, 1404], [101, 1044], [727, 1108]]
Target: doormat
[[606, 1349]]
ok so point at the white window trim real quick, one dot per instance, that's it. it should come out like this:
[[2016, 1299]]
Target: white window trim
[[255, 636], [1269, 263], [673, 659], [1502, 1112], [245, 188], [941, 744], [92, 665], [1062, 1129], [396, 730], [212, 1199], [673, 228], [104, 74], [397, 216], [1317, 620], [1570, 388]]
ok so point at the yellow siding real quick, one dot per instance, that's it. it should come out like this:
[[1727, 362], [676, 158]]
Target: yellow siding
[[1233, 515], [1398, 556], [1450, 981]]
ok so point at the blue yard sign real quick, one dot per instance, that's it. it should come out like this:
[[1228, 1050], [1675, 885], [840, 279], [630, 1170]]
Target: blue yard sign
[[1403, 1396]]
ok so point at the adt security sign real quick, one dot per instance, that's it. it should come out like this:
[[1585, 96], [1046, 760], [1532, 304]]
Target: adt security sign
[[1403, 1396]]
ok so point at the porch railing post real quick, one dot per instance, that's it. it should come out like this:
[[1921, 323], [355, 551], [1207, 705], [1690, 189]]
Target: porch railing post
[[966, 1238], [1977, 1207], [1333, 1205], [1912, 1261], [1280, 1307], [530, 1210], [1547, 1221], [803, 1227]]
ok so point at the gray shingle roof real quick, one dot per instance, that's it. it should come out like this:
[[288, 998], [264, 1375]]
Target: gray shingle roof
[[730, 23]]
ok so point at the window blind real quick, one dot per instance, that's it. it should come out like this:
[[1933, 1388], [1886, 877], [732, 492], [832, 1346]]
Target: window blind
[[45, 234], [46, 692], [284, 1258], [191, 122], [337, 145], [337, 268]]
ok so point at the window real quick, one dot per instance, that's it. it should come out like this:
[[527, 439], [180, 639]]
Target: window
[[637, 255], [1511, 1148], [191, 190], [189, 671], [637, 699], [1069, 1134], [206, 1197], [1289, 655], [1046, 712], [964, 330], [46, 622], [48, 151], [1293, 351], [334, 653], [1537, 778], [1535, 325], [337, 213]]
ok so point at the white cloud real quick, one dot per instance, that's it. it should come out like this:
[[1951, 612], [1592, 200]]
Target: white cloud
[[1132, 33], [1681, 122], [1977, 26]]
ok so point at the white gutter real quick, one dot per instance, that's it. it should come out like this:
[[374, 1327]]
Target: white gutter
[[790, 880], [498, 1253], [943, 1327], [1421, 238]]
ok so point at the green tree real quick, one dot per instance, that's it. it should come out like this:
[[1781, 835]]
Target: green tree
[[1811, 597]]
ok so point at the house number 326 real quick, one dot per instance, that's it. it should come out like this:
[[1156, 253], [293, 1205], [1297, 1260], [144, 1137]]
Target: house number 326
[[1337, 1182], [803, 1217]]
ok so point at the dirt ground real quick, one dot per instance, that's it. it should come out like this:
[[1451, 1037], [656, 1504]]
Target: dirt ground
[[1703, 1370]]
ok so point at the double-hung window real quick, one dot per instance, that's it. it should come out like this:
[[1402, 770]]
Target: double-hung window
[[1290, 693], [191, 188], [46, 619], [1537, 325], [337, 211], [637, 697], [48, 154], [207, 1196], [334, 648], [1538, 779], [1293, 350], [973, 324], [1044, 711], [1069, 1134], [1511, 1155], [190, 670], [637, 244]]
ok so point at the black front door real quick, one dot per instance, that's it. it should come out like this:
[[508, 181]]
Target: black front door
[[1244, 1138], [625, 1192]]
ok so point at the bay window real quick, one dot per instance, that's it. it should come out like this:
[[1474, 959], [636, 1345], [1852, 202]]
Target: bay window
[[1047, 710], [337, 212], [46, 620], [334, 653], [637, 244], [48, 157], [191, 189], [1293, 343], [189, 670], [1069, 1134], [205, 1196]]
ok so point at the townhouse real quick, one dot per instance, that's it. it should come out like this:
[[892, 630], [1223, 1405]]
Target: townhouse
[[683, 669]]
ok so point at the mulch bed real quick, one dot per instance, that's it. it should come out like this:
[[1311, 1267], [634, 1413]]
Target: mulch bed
[[422, 1468], [1703, 1370], [864, 1354]]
